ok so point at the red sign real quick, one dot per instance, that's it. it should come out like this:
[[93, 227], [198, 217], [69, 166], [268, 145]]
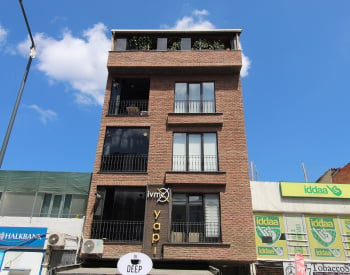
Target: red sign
[[299, 264]]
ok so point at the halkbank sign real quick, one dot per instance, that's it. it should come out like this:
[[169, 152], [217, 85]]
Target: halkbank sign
[[315, 190]]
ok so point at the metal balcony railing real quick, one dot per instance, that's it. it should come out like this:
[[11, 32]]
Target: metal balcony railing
[[124, 163], [191, 232], [117, 230], [195, 163], [127, 107], [194, 106]]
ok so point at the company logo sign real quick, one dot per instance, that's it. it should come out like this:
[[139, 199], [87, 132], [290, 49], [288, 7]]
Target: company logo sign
[[23, 236], [315, 190], [162, 195]]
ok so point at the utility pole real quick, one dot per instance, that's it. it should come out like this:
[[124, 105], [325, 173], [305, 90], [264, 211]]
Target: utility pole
[[20, 92]]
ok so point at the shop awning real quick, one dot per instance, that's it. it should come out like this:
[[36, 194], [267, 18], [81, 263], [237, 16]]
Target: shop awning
[[107, 271]]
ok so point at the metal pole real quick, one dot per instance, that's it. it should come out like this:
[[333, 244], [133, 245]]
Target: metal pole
[[20, 92]]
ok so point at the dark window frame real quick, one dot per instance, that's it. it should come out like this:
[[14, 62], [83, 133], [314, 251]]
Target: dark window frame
[[200, 106]]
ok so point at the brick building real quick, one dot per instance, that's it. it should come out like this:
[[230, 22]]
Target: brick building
[[336, 175], [170, 178]]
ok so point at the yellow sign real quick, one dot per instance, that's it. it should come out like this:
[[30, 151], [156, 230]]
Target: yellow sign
[[268, 232], [324, 238], [315, 190]]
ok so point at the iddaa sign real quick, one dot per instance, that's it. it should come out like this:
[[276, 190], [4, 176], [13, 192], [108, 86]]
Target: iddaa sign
[[135, 263]]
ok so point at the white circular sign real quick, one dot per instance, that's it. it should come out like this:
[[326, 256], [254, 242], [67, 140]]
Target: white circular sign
[[135, 263]]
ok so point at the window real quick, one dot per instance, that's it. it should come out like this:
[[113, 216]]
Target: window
[[56, 205], [129, 96], [194, 97], [125, 150], [195, 152], [195, 218], [119, 213]]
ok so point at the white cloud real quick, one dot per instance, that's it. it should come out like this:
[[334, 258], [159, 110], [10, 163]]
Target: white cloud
[[3, 35], [196, 21], [245, 65], [79, 62], [45, 115]]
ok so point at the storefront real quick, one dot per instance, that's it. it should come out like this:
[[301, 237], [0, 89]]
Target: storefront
[[22, 250], [308, 219]]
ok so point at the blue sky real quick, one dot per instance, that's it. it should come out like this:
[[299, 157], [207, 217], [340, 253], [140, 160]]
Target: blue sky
[[295, 84]]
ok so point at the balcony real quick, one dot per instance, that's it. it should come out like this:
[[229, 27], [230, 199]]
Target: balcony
[[195, 163], [194, 106], [127, 107], [124, 163], [190, 232], [117, 230]]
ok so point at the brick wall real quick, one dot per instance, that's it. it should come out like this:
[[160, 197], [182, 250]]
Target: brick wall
[[236, 209]]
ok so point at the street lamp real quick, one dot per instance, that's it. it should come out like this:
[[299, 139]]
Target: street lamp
[[20, 92]]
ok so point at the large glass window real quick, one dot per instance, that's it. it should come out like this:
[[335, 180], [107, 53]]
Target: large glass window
[[125, 150], [119, 213], [56, 205], [129, 96], [194, 97], [195, 152], [195, 218]]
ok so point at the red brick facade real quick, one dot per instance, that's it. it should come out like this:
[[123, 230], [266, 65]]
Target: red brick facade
[[164, 69]]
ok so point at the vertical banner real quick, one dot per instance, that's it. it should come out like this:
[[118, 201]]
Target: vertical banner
[[299, 265], [324, 238], [268, 232], [345, 224]]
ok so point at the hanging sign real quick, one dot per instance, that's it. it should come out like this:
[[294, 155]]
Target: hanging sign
[[135, 263]]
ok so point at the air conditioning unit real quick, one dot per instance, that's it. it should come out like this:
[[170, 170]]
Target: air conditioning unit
[[56, 240], [92, 246]]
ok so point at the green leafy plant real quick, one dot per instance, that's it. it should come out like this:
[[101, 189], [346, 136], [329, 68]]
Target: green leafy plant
[[203, 44], [175, 46], [140, 43]]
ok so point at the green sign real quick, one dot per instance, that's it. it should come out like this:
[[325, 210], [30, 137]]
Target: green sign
[[268, 230], [315, 190]]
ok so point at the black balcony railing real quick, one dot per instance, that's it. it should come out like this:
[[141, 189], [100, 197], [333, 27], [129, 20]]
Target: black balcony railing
[[127, 107], [116, 230], [202, 232], [194, 106], [124, 163], [195, 163]]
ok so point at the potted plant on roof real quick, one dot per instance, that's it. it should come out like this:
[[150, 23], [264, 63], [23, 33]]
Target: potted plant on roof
[[140, 43]]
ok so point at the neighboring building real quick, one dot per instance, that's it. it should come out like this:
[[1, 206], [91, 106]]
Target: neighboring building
[[41, 220], [310, 219], [171, 176], [336, 175]]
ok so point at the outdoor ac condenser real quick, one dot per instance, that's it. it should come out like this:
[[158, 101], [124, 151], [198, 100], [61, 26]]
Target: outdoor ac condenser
[[92, 246], [56, 240]]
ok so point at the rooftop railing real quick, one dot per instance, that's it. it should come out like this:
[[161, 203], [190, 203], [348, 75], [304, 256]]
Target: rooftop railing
[[174, 43]]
